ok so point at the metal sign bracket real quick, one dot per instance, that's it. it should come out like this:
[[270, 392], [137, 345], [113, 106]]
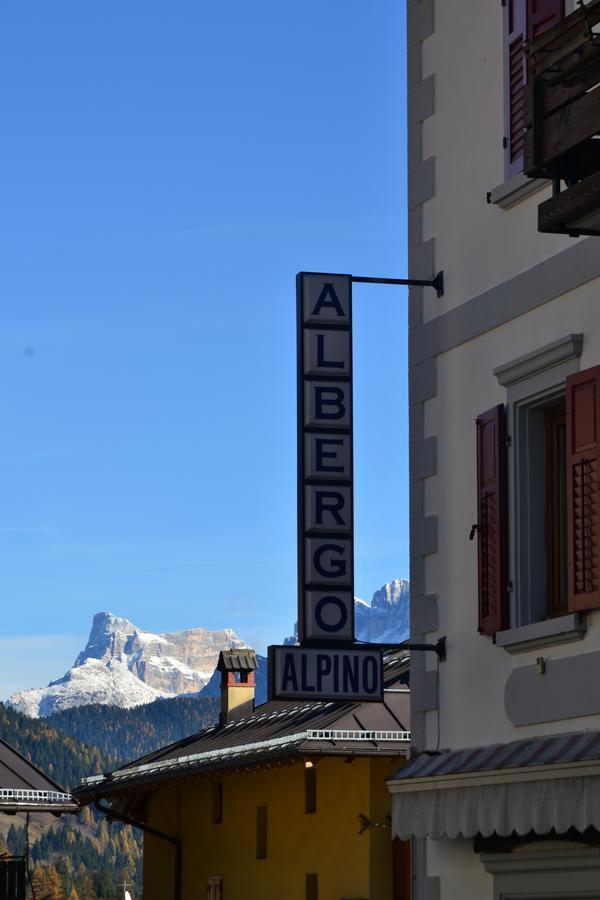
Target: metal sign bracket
[[437, 283]]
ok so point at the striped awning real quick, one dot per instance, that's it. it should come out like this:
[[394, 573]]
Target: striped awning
[[532, 785]]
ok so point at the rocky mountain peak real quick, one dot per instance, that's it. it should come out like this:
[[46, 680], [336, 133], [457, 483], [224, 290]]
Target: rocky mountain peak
[[122, 665], [385, 619], [393, 594]]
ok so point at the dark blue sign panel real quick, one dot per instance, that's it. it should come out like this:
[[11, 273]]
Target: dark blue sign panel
[[325, 673], [327, 665], [325, 509]]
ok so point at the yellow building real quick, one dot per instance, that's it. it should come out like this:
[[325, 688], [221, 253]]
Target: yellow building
[[287, 800]]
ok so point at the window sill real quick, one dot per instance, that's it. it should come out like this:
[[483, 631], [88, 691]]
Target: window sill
[[514, 190], [541, 634]]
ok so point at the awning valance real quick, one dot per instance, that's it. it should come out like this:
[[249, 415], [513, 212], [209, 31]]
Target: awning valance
[[502, 809], [534, 785]]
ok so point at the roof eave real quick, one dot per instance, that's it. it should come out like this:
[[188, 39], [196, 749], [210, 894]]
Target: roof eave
[[55, 808], [112, 787]]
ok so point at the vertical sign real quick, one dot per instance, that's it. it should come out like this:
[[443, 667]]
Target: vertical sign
[[327, 665], [325, 515]]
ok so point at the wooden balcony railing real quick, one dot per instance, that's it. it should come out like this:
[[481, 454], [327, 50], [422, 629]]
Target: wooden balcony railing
[[562, 121]]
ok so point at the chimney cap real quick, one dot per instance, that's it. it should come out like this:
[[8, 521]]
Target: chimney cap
[[242, 660]]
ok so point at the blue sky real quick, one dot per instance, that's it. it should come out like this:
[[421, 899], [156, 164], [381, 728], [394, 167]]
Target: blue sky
[[166, 170]]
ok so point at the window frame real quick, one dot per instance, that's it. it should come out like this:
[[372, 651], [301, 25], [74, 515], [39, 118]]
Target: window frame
[[552, 870], [540, 372]]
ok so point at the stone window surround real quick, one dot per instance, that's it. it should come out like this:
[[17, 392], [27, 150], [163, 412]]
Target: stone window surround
[[545, 870], [543, 370]]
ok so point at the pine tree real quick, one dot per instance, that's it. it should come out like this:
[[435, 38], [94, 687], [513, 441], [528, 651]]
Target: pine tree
[[46, 883]]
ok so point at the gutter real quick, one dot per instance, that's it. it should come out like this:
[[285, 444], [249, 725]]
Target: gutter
[[543, 772], [147, 829]]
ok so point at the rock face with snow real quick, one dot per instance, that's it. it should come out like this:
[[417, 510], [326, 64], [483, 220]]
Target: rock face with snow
[[386, 619], [122, 665]]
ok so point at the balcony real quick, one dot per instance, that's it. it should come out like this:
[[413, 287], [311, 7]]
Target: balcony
[[562, 122]]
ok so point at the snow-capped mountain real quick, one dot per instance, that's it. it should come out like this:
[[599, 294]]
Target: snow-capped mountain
[[125, 666], [386, 619]]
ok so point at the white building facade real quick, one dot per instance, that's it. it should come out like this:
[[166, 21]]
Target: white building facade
[[502, 797]]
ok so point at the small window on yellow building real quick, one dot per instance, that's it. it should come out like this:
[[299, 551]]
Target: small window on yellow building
[[312, 887], [310, 789], [217, 802], [261, 832], [214, 887]]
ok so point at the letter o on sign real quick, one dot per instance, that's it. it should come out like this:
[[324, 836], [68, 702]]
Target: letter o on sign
[[331, 613]]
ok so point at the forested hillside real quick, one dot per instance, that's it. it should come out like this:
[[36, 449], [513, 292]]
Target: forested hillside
[[81, 857], [126, 734], [64, 758]]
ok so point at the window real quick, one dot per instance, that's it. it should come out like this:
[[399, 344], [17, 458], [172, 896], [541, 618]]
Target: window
[[214, 889], [310, 789], [401, 869], [556, 509], [217, 802], [524, 20], [539, 545], [312, 887], [261, 832], [539, 494], [12, 878]]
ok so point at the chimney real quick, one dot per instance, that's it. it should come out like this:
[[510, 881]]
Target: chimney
[[237, 683]]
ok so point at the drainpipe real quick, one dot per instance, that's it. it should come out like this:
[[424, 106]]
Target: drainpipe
[[147, 829]]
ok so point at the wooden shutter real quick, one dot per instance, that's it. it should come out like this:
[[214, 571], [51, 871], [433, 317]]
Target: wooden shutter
[[217, 803], [525, 20], [515, 78], [492, 520], [261, 832], [583, 495], [310, 790], [542, 15]]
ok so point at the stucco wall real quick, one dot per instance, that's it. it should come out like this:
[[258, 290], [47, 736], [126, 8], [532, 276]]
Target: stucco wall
[[476, 243], [349, 864], [473, 679], [509, 291]]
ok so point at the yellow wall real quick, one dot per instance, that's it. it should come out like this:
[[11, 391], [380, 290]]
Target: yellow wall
[[349, 865]]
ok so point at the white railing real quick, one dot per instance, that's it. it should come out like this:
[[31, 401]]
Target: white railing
[[357, 735], [163, 765], [30, 796]]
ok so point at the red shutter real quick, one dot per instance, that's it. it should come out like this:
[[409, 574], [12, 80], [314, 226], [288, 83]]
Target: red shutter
[[492, 520], [583, 493], [526, 19], [542, 15], [515, 84]]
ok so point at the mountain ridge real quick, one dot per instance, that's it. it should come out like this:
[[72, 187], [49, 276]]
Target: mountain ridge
[[123, 665]]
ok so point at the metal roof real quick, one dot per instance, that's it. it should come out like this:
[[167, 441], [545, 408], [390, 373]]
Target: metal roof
[[564, 748], [242, 660], [278, 729], [25, 787]]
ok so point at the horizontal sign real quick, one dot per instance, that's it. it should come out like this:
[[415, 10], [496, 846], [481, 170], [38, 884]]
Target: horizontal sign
[[325, 516], [325, 673]]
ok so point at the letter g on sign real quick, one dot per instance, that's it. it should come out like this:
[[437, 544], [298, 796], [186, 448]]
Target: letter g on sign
[[329, 562]]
